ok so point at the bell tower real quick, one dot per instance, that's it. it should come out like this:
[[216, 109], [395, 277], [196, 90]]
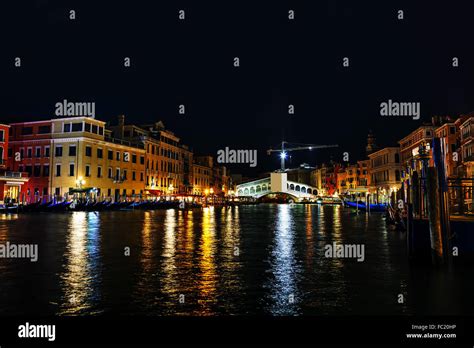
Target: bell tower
[[371, 145]]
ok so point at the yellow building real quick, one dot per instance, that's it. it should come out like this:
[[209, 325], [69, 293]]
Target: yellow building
[[202, 177], [165, 157], [86, 159], [385, 172]]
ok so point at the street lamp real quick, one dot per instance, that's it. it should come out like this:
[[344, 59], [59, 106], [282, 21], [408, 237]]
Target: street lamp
[[80, 182], [212, 194]]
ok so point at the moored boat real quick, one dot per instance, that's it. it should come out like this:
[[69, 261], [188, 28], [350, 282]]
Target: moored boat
[[362, 206]]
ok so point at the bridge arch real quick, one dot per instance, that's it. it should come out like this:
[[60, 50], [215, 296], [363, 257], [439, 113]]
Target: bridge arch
[[289, 194]]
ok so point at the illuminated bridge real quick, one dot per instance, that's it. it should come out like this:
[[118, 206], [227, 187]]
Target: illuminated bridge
[[276, 183]]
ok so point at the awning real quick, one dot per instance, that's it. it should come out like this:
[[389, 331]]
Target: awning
[[81, 190], [155, 192]]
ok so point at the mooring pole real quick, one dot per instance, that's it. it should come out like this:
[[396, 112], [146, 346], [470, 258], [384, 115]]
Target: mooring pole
[[410, 232], [439, 157], [434, 216], [357, 204], [367, 201]]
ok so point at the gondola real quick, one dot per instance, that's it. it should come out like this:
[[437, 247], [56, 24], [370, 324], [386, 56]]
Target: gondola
[[362, 206], [8, 209]]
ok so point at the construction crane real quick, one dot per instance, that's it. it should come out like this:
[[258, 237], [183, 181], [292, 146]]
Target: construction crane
[[285, 149]]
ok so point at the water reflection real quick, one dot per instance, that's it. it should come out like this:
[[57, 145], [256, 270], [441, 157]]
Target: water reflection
[[247, 260], [207, 278], [284, 267], [81, 278], [168, 254]]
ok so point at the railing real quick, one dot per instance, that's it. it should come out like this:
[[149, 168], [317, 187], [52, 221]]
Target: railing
[[125, 142], [460, 197], [14, 175], [460, 193]]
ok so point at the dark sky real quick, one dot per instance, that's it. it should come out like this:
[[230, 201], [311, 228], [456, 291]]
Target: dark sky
[[282, 62]]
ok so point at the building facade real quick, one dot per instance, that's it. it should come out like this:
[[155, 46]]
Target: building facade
[[166, 159], [86, 158], [12, 184], [466, 131], [385, 173], [30, 153]]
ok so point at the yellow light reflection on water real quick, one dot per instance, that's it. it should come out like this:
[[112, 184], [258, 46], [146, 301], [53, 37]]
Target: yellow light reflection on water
[[147, 244], [80, 278], [207, 279], [168, 253]]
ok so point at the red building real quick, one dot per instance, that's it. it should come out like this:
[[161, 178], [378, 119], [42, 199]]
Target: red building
[[30, 146], [11, 183]]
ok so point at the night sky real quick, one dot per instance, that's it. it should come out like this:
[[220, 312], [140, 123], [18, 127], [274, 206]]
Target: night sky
[[283, 62]]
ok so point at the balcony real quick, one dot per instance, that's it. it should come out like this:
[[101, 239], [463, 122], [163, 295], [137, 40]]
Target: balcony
[[14, 176], [469, 158]]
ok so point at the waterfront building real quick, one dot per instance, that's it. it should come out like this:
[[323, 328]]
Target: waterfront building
[[363, 175], [202, 175], [353, 178], [85, 158], [449, 135], [210, 178], [385, 169], [466, 130], [4, 135], [222, 180], [316, 180], [325, 178], [410, 145], [67, 157], [12, 184], [30, 153], [164, 156], [188, 159], [301, 174]]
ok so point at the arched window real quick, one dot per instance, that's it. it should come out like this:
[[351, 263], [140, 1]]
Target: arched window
[[297, 188]]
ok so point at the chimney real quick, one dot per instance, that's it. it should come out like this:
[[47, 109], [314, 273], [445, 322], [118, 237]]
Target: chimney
[[121, 120], [121, 125]]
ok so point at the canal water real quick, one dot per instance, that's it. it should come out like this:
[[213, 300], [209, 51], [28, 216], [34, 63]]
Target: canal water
[[265, 259]]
